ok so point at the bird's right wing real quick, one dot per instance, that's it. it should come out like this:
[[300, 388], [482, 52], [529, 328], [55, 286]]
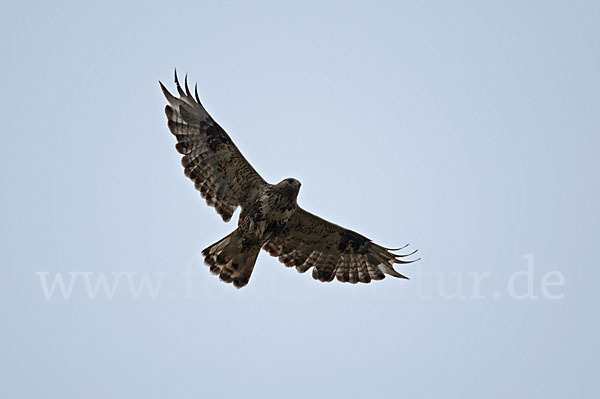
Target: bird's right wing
[[307, 241], [210, 158]]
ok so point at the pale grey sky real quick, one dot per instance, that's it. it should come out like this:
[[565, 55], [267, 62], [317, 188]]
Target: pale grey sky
[[467, 129]]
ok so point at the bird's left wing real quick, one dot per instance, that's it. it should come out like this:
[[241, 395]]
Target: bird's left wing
[[332, 251], [210, 158]]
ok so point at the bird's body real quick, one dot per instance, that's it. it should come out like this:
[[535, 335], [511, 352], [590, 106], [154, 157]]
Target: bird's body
[[272, 209], [270, 218], [233, 259]]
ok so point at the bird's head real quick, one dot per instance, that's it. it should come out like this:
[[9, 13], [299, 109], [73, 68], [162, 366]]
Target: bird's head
[[290, 186]]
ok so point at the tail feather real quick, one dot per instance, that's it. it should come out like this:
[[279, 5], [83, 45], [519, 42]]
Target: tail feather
[[231, 260]]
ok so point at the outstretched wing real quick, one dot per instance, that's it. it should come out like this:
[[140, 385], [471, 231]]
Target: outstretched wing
[[332, 251], [210, 158]]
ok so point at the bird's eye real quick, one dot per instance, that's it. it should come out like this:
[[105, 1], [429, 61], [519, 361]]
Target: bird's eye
[[290, 181]]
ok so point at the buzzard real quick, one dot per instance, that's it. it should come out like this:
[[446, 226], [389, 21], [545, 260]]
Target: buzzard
[[270, 218]]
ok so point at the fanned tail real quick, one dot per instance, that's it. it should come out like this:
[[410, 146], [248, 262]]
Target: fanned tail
[[232, 259]]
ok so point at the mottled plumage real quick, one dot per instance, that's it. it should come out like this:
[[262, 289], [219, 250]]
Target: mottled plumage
[[271, 218]]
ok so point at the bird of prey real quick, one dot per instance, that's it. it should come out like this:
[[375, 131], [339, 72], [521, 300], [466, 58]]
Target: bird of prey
[[270, 217]]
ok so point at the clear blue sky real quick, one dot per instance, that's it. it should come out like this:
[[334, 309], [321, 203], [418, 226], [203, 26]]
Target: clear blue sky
[[468, 129]]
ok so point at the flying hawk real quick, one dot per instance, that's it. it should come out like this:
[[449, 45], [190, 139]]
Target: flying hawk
[[271, 218]]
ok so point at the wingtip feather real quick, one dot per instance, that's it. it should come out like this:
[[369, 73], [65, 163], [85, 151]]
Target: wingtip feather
[[170, 97], [178, 85], [196, 93], [187, 89]]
